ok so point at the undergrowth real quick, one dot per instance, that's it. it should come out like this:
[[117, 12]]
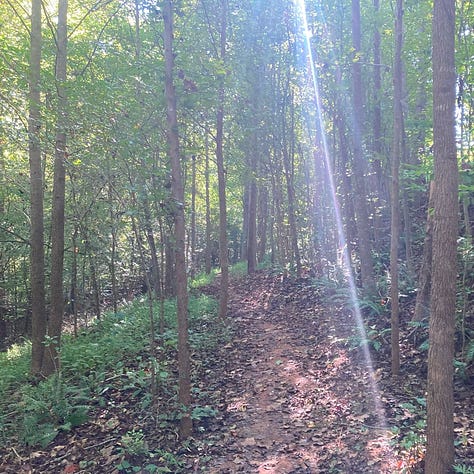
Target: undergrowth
[[116, 347]]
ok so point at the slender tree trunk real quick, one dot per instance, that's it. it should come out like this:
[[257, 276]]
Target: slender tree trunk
[[51, 361], [245, 221], [113, 245], [440, 404], [170, 273], [208, 207], [262, 223], [289, 173], [223, 245], [360, 201], [93, 273], [184, 360], [38, 305], [422, 305], [150, 236], [155, 280], [3, 308], [252, 236], [380, 198], [193, 216], [149, 292], [395, 201], [73, 293], [278, 228], [346, 186]]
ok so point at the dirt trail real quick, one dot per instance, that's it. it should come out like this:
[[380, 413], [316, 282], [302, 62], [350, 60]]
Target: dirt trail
[[291, 398]]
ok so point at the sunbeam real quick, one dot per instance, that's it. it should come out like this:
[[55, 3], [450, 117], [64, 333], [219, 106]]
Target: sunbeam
[[347, 269]]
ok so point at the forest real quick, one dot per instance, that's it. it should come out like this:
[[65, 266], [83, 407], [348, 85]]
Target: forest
[[237, 236]]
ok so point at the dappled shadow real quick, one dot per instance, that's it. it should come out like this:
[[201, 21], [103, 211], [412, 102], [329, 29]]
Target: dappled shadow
[[293, 401]]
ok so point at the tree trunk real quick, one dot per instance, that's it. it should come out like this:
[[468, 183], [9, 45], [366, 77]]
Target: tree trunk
[[51, 361], [38, 305], [278, 229], [170, 275], [177, 190], [113, 245], [360, 201], [290, 189], [93, 273], [193, 216], [73, 293], [150, 236], [3, 308], [245, 221], [380, 198], [208, 207], [440, 404], [422, 305], [395, 195], [252, 236], [262, 223], [223, 250]]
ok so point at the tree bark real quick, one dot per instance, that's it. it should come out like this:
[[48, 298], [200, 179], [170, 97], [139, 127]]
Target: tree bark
[[38, 305], [422, 305], [360, 201], [113, 244], [3, 308], [51, 361], [193, 216], [262, 223], [381, 197], [290, 189], [252, 236], [223, 245], [245, 221], [208, 207], [184, 361], [440, 404], [395, 195]]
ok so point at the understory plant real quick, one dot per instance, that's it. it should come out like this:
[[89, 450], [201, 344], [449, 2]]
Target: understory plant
[[111, 355]]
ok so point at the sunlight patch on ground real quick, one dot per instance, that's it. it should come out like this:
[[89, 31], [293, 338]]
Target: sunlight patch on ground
[[238, 405]]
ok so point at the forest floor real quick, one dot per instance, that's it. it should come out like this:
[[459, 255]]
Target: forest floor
[[288, 391], [295, 397]]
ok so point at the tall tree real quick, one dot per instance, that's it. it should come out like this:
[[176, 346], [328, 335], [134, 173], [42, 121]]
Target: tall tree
[[395, 195], [422, 304], [223, 250], [208, 263], [177, 190], [38, 305], [360, 199], [440, 404], [51, 358]]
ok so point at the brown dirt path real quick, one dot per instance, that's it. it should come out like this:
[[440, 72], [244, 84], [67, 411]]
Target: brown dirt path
[[293, 400]]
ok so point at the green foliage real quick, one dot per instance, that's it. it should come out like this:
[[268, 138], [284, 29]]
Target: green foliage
[[463, 469], [203, 279], [376, 338], [49, 407], [14, 366], [336, 291], [133, 443], [200, 413], [162, 461], [469, 357], [37, 413], [239, 269]]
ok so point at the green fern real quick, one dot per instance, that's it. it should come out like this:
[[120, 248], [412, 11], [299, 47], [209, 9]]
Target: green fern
[[50, 407], [470, 352], [463, 469]]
